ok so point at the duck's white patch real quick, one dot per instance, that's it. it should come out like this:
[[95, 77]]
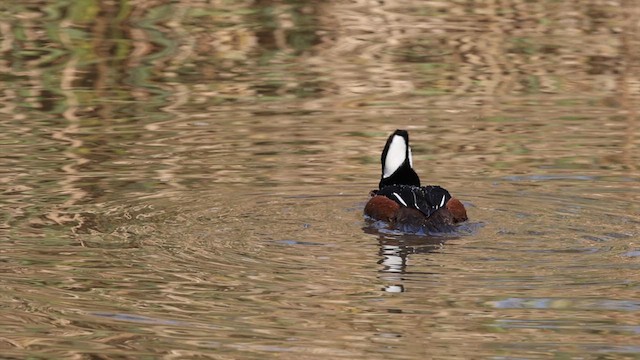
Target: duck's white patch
[[415, 200], [395, 156], [442, 202], [399, 199]]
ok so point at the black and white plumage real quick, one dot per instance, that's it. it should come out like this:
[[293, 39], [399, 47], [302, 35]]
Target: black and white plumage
[[426, 199], [397, 163], [400, 183]]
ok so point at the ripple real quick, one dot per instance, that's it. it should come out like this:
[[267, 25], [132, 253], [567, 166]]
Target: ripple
[[567, 304]]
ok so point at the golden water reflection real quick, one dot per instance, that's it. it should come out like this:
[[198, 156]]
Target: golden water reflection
[[185, 179]]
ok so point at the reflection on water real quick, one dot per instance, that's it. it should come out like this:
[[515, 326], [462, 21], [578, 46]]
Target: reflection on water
[[187, 179], [395, 256]]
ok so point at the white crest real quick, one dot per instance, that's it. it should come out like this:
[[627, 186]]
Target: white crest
[[395, 156]]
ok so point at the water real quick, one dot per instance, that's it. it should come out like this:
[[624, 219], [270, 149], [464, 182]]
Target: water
[[187, 180]]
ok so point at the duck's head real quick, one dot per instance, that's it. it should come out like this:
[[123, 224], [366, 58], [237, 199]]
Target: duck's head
[[397, 164]]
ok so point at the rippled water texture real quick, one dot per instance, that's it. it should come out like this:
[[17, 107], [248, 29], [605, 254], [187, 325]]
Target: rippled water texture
[[186, 179]]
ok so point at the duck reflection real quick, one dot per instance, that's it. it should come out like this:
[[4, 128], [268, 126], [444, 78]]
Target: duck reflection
[[394, 262], [395, 253]]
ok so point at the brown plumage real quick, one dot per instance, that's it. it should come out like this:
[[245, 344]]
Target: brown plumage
[[384, 209]]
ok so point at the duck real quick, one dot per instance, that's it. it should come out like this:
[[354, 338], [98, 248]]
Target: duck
[[401, 201]]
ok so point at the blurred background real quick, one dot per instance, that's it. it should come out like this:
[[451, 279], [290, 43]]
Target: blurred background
[[187, 178]]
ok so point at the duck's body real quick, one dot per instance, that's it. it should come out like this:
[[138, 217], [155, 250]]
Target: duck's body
[[402, 202]]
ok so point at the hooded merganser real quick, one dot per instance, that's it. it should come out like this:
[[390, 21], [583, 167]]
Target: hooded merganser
[[402, 202]]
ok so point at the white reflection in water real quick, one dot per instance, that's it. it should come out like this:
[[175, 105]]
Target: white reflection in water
[[394, 263]]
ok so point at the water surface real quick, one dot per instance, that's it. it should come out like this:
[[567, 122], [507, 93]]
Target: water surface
[[187, 179]]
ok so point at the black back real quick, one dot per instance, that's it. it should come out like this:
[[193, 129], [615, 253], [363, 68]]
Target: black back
[[426, 199]]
